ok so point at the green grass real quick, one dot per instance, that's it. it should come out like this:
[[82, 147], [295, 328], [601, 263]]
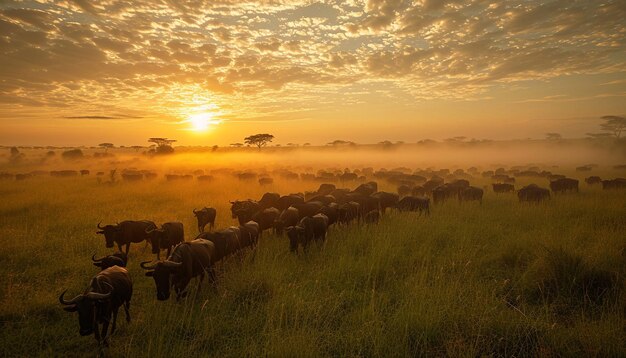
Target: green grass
[[468, 280]]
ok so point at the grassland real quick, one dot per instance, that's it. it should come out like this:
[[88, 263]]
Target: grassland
[[499, 279]]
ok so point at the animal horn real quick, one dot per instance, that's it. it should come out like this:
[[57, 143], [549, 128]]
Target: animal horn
[[70, 302], [100, 296], [195, 211], [94, 259], [172, 264], [146, 267], [100, 227], [150, 231]]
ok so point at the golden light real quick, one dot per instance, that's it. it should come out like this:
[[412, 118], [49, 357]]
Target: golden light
[[200, 122]]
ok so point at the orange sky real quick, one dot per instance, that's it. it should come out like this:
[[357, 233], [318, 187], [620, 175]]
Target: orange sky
[[84, 72]]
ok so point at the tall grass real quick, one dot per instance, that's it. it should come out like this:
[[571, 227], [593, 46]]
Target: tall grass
[[501, 278]]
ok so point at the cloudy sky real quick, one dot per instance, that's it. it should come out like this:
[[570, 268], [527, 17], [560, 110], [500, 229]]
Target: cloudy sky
[[211, 72]]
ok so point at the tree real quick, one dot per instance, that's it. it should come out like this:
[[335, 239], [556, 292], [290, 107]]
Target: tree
[[236, 145], [553, 136], [614, 124], [457, 139], [306, 145], [136, 147], [106, 146], [339, 142], [260, 140], [163, 145], [72, 154]]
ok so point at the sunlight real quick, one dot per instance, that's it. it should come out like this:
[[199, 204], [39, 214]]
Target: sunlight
[[200, 122]]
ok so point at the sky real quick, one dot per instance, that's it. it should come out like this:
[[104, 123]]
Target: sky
[[83, 72]]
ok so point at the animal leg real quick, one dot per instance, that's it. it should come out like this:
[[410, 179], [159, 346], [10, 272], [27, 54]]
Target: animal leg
[[126, 310], [105, 329], [114, 320]]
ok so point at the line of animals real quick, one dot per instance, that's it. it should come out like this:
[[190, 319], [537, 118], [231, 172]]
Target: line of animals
[[304, 218]]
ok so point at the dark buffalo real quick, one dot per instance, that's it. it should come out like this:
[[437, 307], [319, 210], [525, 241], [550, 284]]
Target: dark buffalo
[[431, 184], [386, 200], [533, 193], [563, 185], [348, 177], [503, 188], [269, 200], [332, 212], [126, 232], [266, 181], [309, 208], [325, 188], [443, 193], [247, 207], [340, 195], [372, 217], [309, 229], [289, 217], [226, 242], [348, 212], [324, 199], [365, 189], [205, 216], [169, 235], [188, 260], [289, 200], [592, 180], [617, 183], [404, 190], [249, 234], [367, 203], [471, 193], [418, 190], [117, 259], [412, 203], [265, 218], [109, 289]]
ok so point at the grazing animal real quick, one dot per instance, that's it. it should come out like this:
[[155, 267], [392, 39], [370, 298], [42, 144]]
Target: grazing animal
[[404, 190], [226, 242], [326, 188], [386, 200], [348, 212], [503, 188], [617, 183], [418, 190], [266, 181], [289, 217], [324, 199], [205, 216], [125, 233], [365, 189], [563, 185], [169, 235], [372, 217], [289, 200], [332, 212], [249, 234], [592, 180], [412, 203], [265, 219], [244, 206], [310, 228], [188, 260], [443, 193], [471, 193], [117, 259], [109, 289], [309, 208], [269, 200], [533, 193]]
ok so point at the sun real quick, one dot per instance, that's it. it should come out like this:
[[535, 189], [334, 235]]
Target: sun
[[200, 122]]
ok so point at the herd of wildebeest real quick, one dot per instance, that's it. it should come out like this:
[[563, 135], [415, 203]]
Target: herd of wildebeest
[[304, 218]]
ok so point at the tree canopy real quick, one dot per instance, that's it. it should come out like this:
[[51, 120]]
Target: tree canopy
[[259, 140], [614, 124]]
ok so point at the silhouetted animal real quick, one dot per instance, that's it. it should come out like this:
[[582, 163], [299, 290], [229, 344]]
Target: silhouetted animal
[[265, 219], [266, 181], [249, 234], [109, 289], [592, 180], [617, 183], [289, 200], [309, 208], [169, 235], [325, 188], [503, 188], [289, 217], [269, 200], [386, 200], [533, 193], [471, 193], [117, 259], [404, 190], [126, 233], [348, 212], [563, 185], [205, 216], [188, 260], [324, 199], [365, 189], [310, 228], [332, 212], [226, 242], [412, 203], [372, 217], [248, 207]]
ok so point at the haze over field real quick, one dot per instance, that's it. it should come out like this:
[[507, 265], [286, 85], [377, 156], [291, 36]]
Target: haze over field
[[208, 72]]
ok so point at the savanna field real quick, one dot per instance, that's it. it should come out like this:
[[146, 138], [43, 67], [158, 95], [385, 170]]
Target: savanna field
[[501, 278]]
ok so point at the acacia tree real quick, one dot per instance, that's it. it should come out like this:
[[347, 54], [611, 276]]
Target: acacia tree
[[106, 146], [259, 140], [163, 145], [614, 124]]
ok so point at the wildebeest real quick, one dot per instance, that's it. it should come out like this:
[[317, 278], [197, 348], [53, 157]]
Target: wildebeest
[[471, 193], [309, 208], [348, 177], [205, 178], [331, 211], [386, 200], [348, 212], [617, 183], [226, 242], [412, 203], [249, 234], [84, 172], [117, 259], [125, 233], [533, 193], [269, 200], [188, 260], [205, 216], [249, 207], [288, 217], [404, 190], [418, 190], [372, 217], [365, 189], [367, 202], [109, 289], [286, 201], [563, 185], [324, 199], [592, 180], [325, 188], [503, 188], [266, 181], [169, 235], [309, 229], [265, 218]]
